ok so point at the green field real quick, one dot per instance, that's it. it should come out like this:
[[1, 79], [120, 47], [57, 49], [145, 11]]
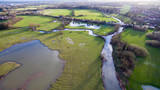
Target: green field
[[49, 26], [57, 12], [92, 14], [40, 6], [87, 14], [46, 23], [27, 8], [83, 67], [33, 19], [146, 71], [5, 68], [32, 7]]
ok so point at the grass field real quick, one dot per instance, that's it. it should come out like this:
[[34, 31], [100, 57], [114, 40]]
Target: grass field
[[46, 23], [31, 7], [83, 67], [57, 12], [146, 71], [27, 8], [33, 19], [49, 26], [40, 6], [87, 14], [92, 14], [5, 68]]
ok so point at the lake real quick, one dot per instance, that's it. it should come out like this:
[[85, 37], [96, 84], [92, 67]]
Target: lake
[[40, 66]]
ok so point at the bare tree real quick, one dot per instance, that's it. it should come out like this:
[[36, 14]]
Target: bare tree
[[33, 26]]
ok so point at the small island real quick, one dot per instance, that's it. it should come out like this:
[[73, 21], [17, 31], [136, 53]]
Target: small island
[[7, 67]]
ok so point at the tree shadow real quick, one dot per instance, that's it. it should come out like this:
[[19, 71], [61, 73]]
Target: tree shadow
[[98, 40], [134, 33], [52, 36], [13, 33]]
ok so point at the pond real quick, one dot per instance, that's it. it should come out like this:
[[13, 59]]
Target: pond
[[149, 87], [76, 24], [40, 66]]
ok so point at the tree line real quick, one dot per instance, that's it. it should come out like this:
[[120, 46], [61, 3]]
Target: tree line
[[155, 39], [10, 23]]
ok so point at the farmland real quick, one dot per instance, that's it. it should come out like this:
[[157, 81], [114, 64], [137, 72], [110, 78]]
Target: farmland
[[92, 15], [57, 12]]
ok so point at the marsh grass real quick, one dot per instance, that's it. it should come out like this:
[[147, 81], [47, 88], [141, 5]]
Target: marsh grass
[[6, 67], [82, 69]]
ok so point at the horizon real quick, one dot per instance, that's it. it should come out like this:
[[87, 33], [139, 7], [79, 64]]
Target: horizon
[[82, 0]]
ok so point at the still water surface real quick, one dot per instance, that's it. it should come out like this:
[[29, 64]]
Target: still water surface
[[40, 66]]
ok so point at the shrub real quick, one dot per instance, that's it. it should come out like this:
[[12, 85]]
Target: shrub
[[154, 35], [157, 28], [3, 26], [33, 26], [127, 59], [10, 23], [153, 43], [137, 28], [116, 28], [138, 51]]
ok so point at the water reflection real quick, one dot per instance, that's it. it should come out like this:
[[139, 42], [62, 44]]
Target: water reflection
[[40, 66]]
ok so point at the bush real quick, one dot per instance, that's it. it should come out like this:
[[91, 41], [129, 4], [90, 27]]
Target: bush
[[153, 43], [33, 26], [154, 35], [10, 23], [137, 28], [157, 28], [138, 51], [127, 59], [116, 28], [3, 26]]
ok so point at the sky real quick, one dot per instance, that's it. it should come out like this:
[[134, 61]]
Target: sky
[[82, 0]]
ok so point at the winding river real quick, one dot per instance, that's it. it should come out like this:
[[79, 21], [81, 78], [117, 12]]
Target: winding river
[[49, 66], [108, 70]]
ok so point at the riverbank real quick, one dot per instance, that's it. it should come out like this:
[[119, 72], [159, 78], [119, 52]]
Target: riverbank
[[83, 62]]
